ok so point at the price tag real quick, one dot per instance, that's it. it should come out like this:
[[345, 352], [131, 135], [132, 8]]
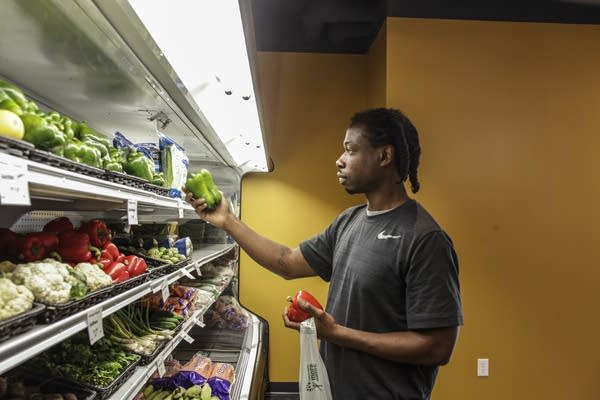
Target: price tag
[[198, 270], [14, 186], [95, 328], [199, 321], [160, 366], [132, 212], [187, 273], [187, 337], [180, 207], [165, 290]]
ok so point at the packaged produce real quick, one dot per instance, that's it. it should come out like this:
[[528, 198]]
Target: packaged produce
[[220, 380], [174, 162], [203, 186], [297, 314]]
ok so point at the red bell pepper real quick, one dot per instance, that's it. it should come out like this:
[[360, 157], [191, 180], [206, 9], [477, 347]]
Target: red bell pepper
[[97, 230], [110, 250], [33, 249], [105, 262], [135, 265], [59, 225], [122, 276], [115, 269], [50, 240], [297, 314], [74, 247]]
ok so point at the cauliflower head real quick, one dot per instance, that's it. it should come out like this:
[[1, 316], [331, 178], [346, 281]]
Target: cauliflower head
[[14, 299]]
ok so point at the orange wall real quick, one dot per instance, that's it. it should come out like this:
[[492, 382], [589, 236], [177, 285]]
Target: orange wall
[[307, 102], [509, 118]]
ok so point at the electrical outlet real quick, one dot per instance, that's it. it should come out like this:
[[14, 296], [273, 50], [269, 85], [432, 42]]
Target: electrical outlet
[[483, 367]]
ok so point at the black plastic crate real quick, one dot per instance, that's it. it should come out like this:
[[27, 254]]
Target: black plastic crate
[[129, 283], [47, 385], [15, 147], [53, 160], [55, 312], [125, 179], [20, 323]]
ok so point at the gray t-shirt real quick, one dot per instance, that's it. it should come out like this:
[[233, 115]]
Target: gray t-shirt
[[390, 272]]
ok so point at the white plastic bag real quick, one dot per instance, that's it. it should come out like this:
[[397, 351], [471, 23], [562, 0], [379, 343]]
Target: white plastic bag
[[314, 383]]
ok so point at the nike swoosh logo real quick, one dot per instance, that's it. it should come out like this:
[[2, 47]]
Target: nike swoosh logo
[[382, 235]]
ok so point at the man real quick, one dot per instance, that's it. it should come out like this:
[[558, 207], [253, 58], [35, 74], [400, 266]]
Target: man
[[393, 307]]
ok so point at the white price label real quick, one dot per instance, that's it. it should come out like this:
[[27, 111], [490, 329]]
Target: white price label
[[187, 337], [180, 207], [199, 321], [165, 290], [198, 270], [160, 366], [14, 186], [95, 328], [132, 212], [187, 273]]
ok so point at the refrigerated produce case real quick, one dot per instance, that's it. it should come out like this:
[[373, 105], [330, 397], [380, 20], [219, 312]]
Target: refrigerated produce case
[[93, 61]]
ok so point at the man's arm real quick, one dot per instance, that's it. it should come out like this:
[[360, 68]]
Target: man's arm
[[282, 260], [422, 347]]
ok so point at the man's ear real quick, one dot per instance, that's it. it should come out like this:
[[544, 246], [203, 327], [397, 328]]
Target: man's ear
[[386, 154]]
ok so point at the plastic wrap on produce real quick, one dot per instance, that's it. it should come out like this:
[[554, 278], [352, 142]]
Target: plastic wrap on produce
[[174, 162]]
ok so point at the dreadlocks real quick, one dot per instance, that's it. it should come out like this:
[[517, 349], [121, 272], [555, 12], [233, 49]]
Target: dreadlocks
[[387, 126]]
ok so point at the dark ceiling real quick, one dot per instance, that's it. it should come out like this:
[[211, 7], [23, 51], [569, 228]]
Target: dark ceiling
[[350, 26]]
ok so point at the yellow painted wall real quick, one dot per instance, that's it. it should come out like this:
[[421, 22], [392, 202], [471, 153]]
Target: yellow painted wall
[[509, 119], [307, 101]]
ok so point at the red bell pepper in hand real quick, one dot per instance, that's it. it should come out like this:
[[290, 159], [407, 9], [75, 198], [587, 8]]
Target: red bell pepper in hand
[[59, 225], [33, 249], [97, 230], [74, 247], [297, 314]]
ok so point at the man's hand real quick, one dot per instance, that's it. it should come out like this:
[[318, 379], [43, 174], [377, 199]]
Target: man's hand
[[216, 217], [324, 322]]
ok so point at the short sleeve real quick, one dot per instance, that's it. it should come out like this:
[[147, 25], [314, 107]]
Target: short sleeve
[[432, 286], [318, 252]]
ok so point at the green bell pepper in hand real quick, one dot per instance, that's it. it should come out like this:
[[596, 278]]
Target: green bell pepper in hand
[[203, 187], [42, 134]]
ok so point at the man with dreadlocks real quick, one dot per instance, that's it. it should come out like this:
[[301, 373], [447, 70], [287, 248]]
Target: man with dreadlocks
[[393, 307]]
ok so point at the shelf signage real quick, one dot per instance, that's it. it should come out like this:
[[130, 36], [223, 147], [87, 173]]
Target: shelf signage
[[132, 212], [180, 207], [187, 337], [94, 322], [187, 273], [160, 365], [14, 186]]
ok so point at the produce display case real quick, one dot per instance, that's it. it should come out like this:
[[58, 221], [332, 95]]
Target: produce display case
[[84, 59]]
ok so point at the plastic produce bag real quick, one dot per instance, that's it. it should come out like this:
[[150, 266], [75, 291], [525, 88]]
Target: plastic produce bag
[[314, 382]]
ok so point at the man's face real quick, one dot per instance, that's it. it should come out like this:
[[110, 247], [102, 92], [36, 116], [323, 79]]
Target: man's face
[[359, 165]]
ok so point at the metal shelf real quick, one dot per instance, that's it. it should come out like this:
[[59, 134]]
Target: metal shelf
[[20, 348]]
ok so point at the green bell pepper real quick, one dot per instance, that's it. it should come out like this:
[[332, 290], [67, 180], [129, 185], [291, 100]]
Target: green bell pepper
[[158, 179], [85, 133], [42, 134], [14, 93], [7, 103], [82, 153], [203, 186], [139, 165]]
